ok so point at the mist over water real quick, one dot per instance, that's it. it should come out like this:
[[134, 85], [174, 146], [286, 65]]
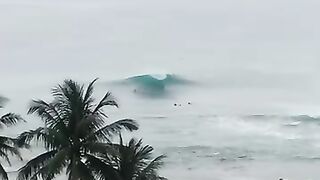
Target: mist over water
[[253, 67]]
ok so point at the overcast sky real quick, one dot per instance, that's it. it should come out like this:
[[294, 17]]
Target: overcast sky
[[265, 43], [69, 36]]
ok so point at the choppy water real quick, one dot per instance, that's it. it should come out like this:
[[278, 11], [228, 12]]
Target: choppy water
[[202, 144]]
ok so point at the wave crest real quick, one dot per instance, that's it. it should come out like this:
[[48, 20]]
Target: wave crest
[[154, 84]]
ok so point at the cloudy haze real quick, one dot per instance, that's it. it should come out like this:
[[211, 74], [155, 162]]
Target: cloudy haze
[[233, 43]]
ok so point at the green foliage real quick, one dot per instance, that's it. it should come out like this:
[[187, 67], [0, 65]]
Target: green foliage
[[8, 146], [78, 141], [76, 136], [135, 161]]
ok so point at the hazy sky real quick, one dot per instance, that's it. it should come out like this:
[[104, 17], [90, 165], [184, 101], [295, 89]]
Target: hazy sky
[[69, 36], [263, 43]]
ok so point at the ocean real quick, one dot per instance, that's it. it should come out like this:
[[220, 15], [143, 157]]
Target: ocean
[[227, 90], [198, 140]]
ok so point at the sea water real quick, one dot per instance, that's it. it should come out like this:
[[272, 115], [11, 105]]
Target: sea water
[[199, 142]]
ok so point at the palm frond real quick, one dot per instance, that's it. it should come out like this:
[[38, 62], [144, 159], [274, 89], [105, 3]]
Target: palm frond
[[8, 145], [100, 149], [55, 165], [101, 169], [141, 152], [49, 112], [89, 92], [27, 136], [68, 91], [34, 165], [13, 141], [10, 119], [7, 140], [5, 156], [144, 153], [107, 100], [134, 161], [3, 173], [154, 165], [88, 125], [10, 149], [79, 170], [115, 128], [50, 137]]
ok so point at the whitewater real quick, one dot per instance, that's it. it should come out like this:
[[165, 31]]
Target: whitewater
[[228, 90]]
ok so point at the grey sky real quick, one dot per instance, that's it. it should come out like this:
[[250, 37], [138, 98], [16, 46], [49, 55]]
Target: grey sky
[[48, 36]]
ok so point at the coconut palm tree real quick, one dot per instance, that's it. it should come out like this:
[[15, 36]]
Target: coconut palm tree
[[135, 162], [7, 144], [75, 135]]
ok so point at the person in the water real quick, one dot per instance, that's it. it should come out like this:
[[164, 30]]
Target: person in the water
[[175, 104]]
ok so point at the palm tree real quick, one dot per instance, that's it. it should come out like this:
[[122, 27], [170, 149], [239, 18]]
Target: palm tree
[[75, 135], [7, 144], [134, 161]]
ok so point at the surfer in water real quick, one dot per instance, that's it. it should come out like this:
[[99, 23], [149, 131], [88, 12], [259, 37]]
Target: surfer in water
[[175, 104]]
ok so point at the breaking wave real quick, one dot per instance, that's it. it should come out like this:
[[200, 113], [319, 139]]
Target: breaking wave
[[154, 84]]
